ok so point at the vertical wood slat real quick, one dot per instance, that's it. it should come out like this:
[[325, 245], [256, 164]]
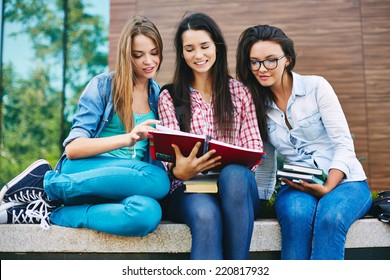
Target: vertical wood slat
[[120, 12]]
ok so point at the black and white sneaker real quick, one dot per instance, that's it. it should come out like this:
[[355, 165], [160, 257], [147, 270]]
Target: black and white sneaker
[[28, 185], [37, 212]]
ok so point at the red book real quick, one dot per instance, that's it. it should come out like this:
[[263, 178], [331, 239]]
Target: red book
[[162, 138]]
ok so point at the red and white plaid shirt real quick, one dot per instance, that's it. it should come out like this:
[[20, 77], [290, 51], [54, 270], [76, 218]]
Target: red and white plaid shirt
[[246, 131]]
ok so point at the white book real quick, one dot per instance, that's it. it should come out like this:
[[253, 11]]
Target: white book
[[302, 169], [295, 177]]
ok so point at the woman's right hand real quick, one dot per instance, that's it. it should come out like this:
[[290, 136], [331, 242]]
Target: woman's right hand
[[140, 132], [187, 167], [83, 147]]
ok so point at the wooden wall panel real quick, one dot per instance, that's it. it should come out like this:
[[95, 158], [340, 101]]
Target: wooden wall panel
[[379, 128], [380, 170], [120, 12], [376, 45], [346, 41]]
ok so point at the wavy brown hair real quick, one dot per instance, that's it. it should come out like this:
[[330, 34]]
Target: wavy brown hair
[[262, 96], [124, 79]]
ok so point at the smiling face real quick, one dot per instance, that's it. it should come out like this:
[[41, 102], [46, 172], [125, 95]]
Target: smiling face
[[199, 50], [145, 57], [268, 50]]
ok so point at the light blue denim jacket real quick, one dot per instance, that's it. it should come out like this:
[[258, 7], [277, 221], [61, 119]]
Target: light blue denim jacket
[[95, 109], [319, 137]]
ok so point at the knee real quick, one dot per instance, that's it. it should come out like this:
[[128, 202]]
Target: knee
[[233, 172], [145, 215], [160, 183], [204, 221], [235, 180], [331, 222], [293, 214]]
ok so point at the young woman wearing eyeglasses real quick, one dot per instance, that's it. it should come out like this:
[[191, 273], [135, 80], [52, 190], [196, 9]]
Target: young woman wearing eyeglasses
[[301, 118]]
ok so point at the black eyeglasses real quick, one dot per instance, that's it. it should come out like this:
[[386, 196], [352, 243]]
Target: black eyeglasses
[[269, 64]]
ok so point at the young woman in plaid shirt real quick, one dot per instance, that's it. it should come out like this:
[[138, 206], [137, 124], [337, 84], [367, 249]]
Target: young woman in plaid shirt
[[205, 100]]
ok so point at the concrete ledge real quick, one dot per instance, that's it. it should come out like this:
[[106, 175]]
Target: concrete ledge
[[168, 238]]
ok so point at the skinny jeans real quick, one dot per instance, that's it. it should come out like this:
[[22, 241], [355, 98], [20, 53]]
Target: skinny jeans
[[315, 228], [221, 224], [109, 194]]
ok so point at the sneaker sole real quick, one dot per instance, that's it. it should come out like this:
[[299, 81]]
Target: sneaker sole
[[21, 176]]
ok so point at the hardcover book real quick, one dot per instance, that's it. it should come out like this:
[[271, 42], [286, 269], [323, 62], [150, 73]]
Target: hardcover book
[[202, 183], [295, 177], [162, 138], [302, 169], [319, 173]]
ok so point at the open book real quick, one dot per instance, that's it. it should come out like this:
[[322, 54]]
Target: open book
[[202, 183], [162, 138], [297, 172]]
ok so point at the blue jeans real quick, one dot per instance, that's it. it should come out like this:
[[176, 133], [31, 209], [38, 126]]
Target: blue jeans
[[315, 228], [108, 194], [221, 225]]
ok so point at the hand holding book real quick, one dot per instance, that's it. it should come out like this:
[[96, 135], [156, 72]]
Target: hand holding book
[[162, 138], [189, 166], [295, 173]]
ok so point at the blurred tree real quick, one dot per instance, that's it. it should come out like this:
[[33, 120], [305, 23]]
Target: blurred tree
[[32, 110]]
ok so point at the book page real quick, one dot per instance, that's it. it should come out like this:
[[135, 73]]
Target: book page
[[176, 132]]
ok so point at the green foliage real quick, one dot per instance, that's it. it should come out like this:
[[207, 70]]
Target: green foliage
[[267, 210], [30, 122], [42, 21], [374, 195], [31, 112]]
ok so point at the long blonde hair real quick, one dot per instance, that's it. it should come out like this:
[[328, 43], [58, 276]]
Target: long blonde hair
[[124, 79]]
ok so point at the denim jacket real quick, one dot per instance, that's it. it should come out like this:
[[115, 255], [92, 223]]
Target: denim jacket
[[319, 137], [95, 109]]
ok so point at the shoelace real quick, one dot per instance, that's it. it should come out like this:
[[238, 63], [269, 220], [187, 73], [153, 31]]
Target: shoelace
[[20, 217], [39, 210], [27, 196]]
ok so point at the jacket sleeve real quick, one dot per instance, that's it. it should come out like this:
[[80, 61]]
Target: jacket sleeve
[[265, 173], [89, 113]]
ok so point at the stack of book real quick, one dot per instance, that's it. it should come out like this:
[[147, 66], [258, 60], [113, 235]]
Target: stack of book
[[296, 173]]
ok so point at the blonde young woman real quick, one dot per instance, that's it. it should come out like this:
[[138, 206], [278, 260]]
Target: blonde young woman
[[105, 180]]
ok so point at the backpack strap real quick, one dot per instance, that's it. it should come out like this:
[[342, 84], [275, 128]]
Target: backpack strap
[[169, 87], [177, 104]]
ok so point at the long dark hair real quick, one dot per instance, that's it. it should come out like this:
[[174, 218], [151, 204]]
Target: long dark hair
[[183, 77], [262, 96]]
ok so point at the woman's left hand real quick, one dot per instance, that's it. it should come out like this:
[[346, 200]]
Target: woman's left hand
[[317, 190], [334, 178]]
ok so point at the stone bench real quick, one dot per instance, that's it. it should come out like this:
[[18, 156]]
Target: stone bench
[[168, 238]]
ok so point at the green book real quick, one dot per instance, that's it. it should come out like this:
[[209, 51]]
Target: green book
[[319, 173], [295, 173]]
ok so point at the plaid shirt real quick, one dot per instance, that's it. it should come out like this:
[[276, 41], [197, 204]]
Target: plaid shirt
[[246, 131]]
